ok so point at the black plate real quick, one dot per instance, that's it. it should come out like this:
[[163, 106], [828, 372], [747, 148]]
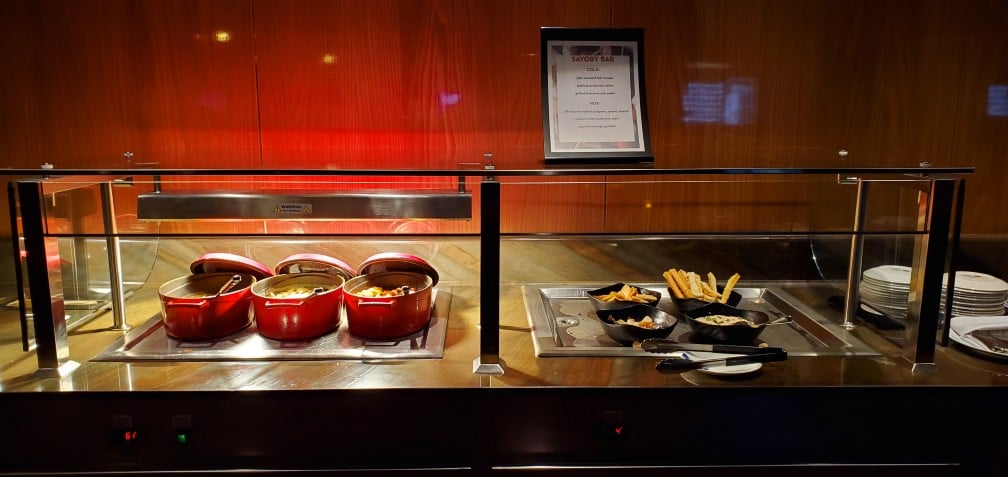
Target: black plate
[[683, 305], [627, 334], [740, 334], [615, 305]]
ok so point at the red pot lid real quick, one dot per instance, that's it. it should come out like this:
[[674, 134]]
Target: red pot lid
[[220, 262], [397, 262], [313, 262]]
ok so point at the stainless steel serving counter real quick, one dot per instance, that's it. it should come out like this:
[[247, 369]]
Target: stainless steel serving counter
[[564, 322], [581, 413], [821, 352]]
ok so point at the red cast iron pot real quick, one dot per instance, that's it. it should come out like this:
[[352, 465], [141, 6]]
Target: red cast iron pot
[[397, 262], [219, 262], [192, 309], [388, 317], [298, 318]]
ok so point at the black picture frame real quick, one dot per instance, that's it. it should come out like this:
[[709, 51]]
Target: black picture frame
[[594, 120]]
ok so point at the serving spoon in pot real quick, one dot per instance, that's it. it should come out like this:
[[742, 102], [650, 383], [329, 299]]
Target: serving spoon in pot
[[228, 285]]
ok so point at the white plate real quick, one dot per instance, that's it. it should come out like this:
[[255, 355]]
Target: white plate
[[978, 282], [978, 348], [892, 301], [891, 274], [962, 326], [868, 282], [974, 301], [721, 370], [732, 370]]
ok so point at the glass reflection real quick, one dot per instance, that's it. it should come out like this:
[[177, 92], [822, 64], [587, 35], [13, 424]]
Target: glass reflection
[[719, 102], [997, 100], [448, 99]]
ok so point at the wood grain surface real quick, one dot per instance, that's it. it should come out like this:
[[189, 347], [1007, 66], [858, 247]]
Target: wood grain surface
[[436, 84]]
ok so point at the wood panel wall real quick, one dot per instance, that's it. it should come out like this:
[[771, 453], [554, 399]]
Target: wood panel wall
[[438, 83]]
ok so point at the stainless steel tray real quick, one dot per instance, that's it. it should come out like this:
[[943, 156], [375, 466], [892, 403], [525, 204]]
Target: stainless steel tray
[[564, 323], [149, 342]]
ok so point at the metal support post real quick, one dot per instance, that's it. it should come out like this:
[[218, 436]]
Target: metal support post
[[45, 284], [114, 258], [931, 258], [489, 361], [856, 253]]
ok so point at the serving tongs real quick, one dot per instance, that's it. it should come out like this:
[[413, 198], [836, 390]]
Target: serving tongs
[[670, 346], [684, 363]]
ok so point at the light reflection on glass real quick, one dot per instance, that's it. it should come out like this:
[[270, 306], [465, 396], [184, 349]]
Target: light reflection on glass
[[997, 100], [222, 36], [719, 102], [448, 99]]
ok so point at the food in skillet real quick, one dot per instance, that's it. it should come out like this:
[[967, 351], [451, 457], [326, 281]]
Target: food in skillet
[[647, 323], [725, 320], [685, 285], [379, 292], [627, 293], [299, 291]]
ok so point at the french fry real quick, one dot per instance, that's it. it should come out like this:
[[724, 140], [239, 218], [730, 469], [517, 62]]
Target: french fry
[[627, 293], [681, 282], [694, 284], [672, 284], [732, 280], [709, 291], [635, 295]]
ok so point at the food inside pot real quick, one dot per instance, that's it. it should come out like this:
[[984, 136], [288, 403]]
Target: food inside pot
[[725, 320], [298, 291], [379, 292]]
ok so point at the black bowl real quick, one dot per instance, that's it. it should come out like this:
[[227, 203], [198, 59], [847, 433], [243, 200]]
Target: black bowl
[[683, 305], [615, 305], [664, 323], [740, 334]]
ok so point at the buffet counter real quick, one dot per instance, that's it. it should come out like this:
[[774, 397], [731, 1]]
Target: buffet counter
[[579, 415], [855, 398], [877, 360]]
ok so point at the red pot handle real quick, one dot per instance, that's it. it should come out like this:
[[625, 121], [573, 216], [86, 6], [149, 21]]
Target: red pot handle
[[274, 304], [186, 303], [385, 303]]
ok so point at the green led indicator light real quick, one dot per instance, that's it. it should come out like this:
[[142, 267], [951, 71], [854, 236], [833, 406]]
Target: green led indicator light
[[182, 438]]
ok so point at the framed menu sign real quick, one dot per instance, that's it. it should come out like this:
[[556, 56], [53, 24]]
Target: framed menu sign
[[594, 108]]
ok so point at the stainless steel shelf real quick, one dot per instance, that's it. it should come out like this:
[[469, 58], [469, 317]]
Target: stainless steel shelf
[[149, 342], [358, 204], [564, 323]]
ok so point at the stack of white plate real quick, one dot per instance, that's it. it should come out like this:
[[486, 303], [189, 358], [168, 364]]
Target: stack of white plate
[[976, 294], [886, 288]]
